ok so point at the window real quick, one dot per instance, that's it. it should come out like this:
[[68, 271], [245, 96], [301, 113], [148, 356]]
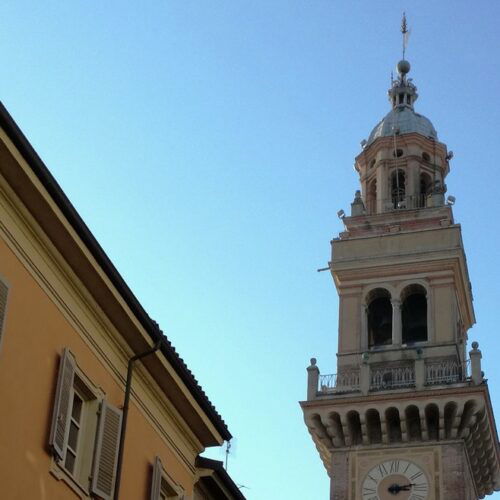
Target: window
[[414, 314], [85, 433], [425, 189], [379, 318], [398, 189], [163, 487]]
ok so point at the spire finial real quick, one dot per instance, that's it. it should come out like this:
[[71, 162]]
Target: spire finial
[[405, 32]]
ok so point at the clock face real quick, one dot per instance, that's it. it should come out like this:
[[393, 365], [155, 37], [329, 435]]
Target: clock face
[[395, 480]]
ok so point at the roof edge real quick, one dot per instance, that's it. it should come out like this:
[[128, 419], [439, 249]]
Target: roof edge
[[54, 189], [218, 467]]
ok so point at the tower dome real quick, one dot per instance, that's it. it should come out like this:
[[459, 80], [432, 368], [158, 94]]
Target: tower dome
[[402, 119]]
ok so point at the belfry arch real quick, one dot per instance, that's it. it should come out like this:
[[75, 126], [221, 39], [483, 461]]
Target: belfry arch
[[414, 317], [379, 317]]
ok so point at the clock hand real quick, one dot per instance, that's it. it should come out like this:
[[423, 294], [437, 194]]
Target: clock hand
[[406, 487], [394, 489]]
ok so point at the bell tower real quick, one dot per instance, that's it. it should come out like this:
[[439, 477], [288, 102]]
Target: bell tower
[[407, 416]]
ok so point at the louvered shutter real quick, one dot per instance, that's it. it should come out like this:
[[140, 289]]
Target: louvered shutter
[[3, 306], [156, 479], [106, 453], [60, 416]]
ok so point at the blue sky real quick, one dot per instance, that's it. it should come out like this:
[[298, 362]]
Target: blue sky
[[209, 145]]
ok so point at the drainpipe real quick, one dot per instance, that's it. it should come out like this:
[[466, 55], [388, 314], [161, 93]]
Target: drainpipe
[[128, 389]]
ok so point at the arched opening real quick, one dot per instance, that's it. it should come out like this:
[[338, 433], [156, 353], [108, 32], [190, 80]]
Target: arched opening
[[337, 430], [413, 427], [470, 408], [379, 318], [393, 425], [425, 189], [450, 411], [414, 314], [316, 425], [373, 426], [371, 197], [354, 426], [432, 420], [398, 189]]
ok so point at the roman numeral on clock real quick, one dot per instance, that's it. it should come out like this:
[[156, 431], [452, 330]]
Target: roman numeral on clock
[[369, 491], [394, 466], [420, 487], [416, 476], [382, 470]]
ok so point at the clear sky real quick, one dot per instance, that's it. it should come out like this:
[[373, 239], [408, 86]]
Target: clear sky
[[209, 144]]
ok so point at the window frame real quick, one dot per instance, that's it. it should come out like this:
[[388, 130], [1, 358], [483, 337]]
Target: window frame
[[161, 482], [95, 416]]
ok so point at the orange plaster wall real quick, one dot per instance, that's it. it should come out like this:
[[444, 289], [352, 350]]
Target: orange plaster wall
[[34, 336]]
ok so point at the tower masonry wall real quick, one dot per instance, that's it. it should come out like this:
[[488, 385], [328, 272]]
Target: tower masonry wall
[[457, 479], [339, 484]]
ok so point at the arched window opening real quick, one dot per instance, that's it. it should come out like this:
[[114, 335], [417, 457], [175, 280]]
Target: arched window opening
[[371, 198], [413, 426], [373, 426], [393, 425], [398, 189], [379, 318], [470, 408], [450, 410], [432, 420], [414, 314], [354, 426], [338, 437], [425, 189]]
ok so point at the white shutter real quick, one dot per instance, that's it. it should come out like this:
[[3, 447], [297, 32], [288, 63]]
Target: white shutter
[[60, 416], [106, 453], [156, 479], [3, 306]]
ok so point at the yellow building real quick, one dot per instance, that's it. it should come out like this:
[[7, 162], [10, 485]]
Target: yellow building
[[69, 326]]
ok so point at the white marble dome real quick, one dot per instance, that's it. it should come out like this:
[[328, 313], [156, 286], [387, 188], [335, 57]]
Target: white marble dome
[[403, 120]]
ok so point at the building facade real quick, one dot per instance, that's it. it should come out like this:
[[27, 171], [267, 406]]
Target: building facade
[[408, 413], [69, 330]]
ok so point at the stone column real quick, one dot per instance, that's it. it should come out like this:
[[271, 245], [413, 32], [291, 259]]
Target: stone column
[[312, 380], [364, 375], [419, 373], [364, 327], [397, 335]]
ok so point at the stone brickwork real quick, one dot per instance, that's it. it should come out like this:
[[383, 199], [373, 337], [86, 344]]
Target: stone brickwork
[[339, 484], [457, 481]]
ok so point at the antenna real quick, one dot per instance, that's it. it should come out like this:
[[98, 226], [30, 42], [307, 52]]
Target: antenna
[[405, 32], [228, 448]]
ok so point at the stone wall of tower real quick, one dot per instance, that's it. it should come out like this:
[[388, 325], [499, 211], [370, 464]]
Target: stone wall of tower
[[457, 481], [339, 484]]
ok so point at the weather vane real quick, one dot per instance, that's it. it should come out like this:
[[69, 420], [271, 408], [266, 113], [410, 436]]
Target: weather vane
[[405, 32]]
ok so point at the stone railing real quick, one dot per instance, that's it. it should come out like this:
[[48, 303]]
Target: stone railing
[[446, 371], [418, 373], [344, 381], [398, 377]]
